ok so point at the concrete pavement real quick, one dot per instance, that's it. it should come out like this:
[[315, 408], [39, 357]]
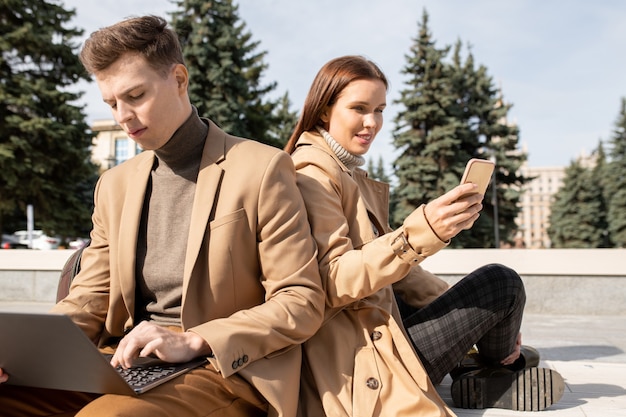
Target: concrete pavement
[[589, 351]]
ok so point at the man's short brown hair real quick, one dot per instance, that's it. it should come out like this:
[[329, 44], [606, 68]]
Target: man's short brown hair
[[146, 35]]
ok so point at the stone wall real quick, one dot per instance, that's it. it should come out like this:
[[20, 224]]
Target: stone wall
[[568, 281]]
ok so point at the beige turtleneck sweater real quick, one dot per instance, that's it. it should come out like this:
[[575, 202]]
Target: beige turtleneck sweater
[[164, 228]]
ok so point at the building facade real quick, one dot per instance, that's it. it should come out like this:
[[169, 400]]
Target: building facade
[[111, 145], [533, 220]]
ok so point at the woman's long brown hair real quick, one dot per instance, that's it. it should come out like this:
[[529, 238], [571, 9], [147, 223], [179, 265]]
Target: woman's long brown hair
[[329, 82]]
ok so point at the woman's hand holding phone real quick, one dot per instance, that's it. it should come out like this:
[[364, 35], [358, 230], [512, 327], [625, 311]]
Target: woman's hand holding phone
[[454, 211], [460, 207]]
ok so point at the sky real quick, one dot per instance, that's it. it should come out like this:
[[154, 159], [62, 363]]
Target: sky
[[559, 63]]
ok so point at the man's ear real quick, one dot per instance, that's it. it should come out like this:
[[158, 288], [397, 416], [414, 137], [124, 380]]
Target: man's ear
[[182, 76]]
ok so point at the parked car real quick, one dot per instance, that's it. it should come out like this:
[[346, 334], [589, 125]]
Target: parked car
[[40, 240], [78, 243], [10, 242]]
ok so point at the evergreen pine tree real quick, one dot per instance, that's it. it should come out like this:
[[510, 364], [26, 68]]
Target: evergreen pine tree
[[381, 175], [464, 111], [494, 138], [377, 172], [424, 131], [453, 112], [574, 220], [44, 139], [284, 121], [466, 101], [616, 181], [599, 175], [225, 71]]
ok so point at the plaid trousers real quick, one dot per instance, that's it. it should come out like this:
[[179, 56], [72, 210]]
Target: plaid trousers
[[485, 309]]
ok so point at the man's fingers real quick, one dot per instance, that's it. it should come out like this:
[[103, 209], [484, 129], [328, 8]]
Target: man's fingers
[[126, 352]]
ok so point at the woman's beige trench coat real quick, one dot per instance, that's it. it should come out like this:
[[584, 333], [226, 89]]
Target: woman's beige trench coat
[[361, 363]]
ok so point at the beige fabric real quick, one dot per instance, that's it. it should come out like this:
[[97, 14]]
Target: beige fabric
[[241, 293], [200, 392], [360, 363]]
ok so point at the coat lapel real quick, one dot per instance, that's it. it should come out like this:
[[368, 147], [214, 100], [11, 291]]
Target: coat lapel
[[209, 177], [129, 224], [376, 197]]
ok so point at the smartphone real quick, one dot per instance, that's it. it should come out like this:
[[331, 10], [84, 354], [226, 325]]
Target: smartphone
[[478, 171]]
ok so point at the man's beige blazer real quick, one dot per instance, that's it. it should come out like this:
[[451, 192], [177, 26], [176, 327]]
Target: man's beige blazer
[[251, 283]]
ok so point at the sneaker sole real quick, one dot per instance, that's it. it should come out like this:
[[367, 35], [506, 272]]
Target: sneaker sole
[[530, 389]]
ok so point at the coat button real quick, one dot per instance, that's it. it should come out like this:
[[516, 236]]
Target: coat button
[[376, 335], [372, 383], [235, 365], [245, 358]]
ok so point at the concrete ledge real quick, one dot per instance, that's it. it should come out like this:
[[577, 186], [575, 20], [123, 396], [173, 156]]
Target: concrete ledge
[[27, 259], [557, 281], [37, 286], [579, 295], [567, 281], [559, 262], [31, 275]]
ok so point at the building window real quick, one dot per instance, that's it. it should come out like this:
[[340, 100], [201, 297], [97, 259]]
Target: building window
[[121, 150]]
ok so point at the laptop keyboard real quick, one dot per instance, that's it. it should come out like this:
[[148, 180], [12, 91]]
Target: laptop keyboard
[[146, 373], [138, 376]]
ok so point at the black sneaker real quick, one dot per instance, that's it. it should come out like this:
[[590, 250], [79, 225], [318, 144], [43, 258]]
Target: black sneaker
[[529, 389], [528, 358]]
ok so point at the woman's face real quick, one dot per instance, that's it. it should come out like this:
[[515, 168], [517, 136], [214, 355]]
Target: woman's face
[[356, 117]]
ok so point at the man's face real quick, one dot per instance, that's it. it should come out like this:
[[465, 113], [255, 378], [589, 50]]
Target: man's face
[[148, 105]]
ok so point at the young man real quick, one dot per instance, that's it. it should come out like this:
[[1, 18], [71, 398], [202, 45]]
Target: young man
[[200, 247]]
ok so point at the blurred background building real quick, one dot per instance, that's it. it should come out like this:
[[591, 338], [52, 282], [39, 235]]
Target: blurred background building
[[111, 145], [533, 219]]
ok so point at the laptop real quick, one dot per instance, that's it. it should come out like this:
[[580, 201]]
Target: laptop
[[51, 351]]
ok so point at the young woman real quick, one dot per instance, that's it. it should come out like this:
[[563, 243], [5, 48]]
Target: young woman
[[363, 359]]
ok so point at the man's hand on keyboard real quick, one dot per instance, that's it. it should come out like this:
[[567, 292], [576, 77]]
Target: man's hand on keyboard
[[148, 339]]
